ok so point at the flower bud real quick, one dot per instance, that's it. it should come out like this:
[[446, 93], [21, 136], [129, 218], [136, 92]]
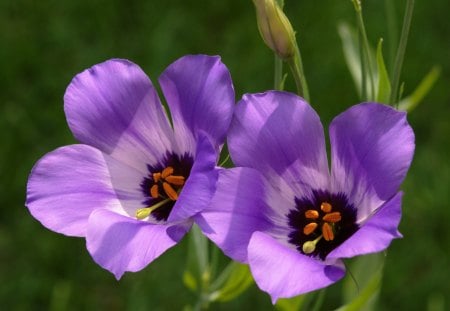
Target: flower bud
[[275, 28]]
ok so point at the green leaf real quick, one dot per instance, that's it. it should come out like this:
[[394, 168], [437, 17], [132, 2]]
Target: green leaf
[[424, 87], [384, 85], [352, 54], [236, 278], [350, 47], [360, 291], [189, 280], [291, 304], [197, 259]]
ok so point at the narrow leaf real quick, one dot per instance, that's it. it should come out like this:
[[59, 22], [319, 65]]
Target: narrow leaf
[[291, 304], [350, 47], [424, 87], [239, 279], [384, 85], [189, 281]]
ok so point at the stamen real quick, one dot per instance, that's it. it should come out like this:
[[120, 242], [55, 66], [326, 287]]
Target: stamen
[[310, 246], [326, 207], [327, 232], [156, 177], [332, 217], [144, 212], [175, 180], [154, 191], [167, 172], [171, 193], [309, 228], [311, 214]]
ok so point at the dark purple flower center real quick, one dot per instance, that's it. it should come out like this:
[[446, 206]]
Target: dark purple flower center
[[163, 184], [321, 223]]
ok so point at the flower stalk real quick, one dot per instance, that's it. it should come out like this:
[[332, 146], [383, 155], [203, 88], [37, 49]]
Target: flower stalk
[[401, 51], [366, 60], [296, 65]]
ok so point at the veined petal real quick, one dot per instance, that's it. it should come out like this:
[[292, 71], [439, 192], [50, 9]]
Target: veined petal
[[200, 94], [66, 185], [283, 272], [120, 244], [114, 107], [235, 212], [372, 147], [278, 133], [376, 234], [200, 185]]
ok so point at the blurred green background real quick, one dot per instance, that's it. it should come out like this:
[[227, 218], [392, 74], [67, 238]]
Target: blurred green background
[[43, 44]]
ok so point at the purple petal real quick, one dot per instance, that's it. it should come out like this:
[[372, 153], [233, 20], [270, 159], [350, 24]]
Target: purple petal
[[376, 234], [113, 106], [120, 244], [235, 212], [200, 185], [283, 272], [66, 185], [200, 94], [279, 133], [372, 148]]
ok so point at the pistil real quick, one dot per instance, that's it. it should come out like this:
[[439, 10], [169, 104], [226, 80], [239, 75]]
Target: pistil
[[142, 213], [310, 246]]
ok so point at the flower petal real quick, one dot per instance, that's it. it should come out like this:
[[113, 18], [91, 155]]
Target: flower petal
[[279, 133], [235, 212], [120, 244], [283, 272], [200, 185], [114, 107], [66, 185], [372, 148], [200, 94], [376, 234]]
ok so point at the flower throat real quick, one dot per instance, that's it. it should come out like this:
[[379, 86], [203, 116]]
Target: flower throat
[[162, 186], [321, 224]]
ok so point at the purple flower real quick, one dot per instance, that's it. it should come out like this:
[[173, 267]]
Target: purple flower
[[133, 185], [285, 213]]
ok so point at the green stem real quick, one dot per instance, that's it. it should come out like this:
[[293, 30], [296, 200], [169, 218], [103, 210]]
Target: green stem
[[201, 250], [363, 69], [366, 49], [278, 73], [299, 76], [401, 51], [319, 300], [392, 37]]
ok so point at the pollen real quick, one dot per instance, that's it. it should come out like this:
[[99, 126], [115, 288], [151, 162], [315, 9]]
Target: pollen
[[171, 193], [327, 232], [326, 207], [332, 217], [156, 177], [309, 228], [166, 185], [175, 180], [312, 214], [154, 191], [167, 172]]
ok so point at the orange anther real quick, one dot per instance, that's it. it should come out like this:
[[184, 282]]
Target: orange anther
[[167, 172], [311, 214], [156, 177], [327, 232], [332, 217], [175, 180], [154, 191], [309, 228], [171, 193], [325, 207]]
